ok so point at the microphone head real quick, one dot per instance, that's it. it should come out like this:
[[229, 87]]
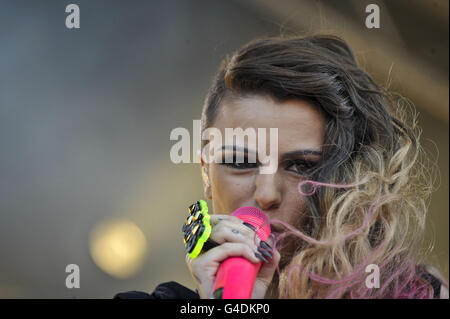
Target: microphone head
[[255, 217]]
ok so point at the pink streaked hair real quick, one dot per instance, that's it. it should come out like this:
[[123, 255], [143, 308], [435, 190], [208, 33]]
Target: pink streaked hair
[[403, 281]]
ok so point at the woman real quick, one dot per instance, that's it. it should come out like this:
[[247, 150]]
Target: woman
[[350, 189]]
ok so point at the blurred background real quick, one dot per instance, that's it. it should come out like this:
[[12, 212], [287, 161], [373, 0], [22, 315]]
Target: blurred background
[[86, 114]]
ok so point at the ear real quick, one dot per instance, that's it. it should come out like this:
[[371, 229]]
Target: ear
[[206, 180]]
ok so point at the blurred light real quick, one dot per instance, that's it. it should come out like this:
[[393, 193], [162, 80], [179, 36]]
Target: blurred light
[[118, 247]]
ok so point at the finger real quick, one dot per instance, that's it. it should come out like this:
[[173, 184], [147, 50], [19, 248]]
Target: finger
[[248, 230], [267, 270], [231, 232], [269, 244], [204, 267], [217, 218], [270, 254], [230, 249]]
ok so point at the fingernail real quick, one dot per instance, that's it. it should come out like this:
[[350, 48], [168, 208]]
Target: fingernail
[[265, 252], [261, 257], [249, 226], [265, 245]]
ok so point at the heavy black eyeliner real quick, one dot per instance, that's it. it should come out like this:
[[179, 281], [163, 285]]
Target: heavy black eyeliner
[[307, 164], [234, 164]]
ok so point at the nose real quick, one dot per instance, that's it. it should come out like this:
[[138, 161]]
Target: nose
[[268, 191]]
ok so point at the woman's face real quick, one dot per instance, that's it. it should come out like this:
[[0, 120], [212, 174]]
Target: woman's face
[[301, 130]]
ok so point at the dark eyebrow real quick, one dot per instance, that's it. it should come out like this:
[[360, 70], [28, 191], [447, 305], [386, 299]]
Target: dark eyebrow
[[235, 148], [285, 155], [301, 153]]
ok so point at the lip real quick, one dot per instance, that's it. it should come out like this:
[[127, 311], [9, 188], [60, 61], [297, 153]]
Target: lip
[[275, 230], [276, 227]]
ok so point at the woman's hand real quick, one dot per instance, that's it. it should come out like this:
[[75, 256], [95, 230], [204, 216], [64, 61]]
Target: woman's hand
[[234, 239]]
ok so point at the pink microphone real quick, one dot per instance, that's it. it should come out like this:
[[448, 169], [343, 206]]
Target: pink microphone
[[236, 275]]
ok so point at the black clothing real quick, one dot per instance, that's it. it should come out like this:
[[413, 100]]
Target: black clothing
[[167, 290], [173, 290]]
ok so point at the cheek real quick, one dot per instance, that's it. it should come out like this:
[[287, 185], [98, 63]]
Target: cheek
[[229, 191], [293, 208], [296, 212]]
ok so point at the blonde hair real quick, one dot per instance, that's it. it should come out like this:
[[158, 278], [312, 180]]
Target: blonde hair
[[379, 219]]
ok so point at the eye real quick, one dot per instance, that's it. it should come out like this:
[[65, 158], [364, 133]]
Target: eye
[[242, 165], [239, 165], [300, 166]]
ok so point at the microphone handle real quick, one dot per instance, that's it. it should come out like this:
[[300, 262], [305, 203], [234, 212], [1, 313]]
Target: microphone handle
[[235, 278]]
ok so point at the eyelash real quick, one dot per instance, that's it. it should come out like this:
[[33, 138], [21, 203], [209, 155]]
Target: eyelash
[[235, 165], [306, 165]]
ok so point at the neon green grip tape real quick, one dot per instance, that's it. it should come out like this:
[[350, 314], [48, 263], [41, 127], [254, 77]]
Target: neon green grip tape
[[197, 228]]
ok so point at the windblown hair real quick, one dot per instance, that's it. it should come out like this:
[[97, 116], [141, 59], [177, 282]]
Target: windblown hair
[[371, 189]]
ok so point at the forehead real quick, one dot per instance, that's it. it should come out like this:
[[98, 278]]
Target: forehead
[[300, 124]]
